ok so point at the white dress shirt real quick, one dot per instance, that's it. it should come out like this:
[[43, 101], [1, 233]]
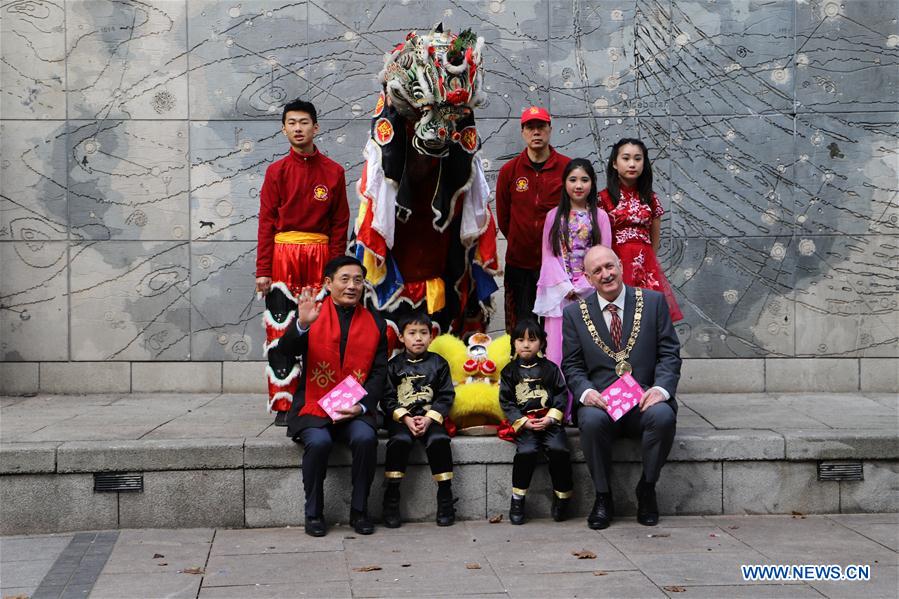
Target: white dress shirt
[[607, 317]]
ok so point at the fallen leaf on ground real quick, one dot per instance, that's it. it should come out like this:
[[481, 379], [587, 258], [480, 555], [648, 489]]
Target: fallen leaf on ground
[[659, 535], [193, 571], [496, 519], [713, 535], [405, 565], [367, 568], [599, 573], [162, 564], [799, 515], [15, 596], [473, 566], [584, 554], [673, 589], [733, 527], [157, 555]]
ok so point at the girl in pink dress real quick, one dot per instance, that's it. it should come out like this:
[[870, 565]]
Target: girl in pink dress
[[636, 219], [569, 230]]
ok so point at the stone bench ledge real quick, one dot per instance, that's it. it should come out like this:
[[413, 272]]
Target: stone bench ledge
[[275, 451]]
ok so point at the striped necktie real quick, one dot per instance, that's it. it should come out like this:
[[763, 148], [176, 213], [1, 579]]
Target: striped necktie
[[615, 329]]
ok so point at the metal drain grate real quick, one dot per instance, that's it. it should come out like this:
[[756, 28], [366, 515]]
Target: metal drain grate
[[107, 482], [851, 470]]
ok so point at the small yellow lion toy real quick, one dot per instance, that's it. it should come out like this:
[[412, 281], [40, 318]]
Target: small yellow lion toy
[[475, 369]]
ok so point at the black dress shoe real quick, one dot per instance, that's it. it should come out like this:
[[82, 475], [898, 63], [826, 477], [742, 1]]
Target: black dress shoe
[[315, 527], [559, 510], [446, 511], [647, 507], [601, 515], [391, 511], [281, 419], [516, 510], [361, 523]]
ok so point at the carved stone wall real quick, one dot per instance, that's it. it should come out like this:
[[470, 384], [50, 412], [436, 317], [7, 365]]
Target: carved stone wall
[[135, 136]]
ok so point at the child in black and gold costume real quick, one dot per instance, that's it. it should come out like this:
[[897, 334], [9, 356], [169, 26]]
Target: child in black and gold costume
[[418, 399], [533, 396]]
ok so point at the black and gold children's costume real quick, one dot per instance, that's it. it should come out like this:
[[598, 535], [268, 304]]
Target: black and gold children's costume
[[418, 387], [536, 388]]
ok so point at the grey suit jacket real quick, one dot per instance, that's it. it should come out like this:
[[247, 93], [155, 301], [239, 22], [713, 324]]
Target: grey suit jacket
[[655, 357]]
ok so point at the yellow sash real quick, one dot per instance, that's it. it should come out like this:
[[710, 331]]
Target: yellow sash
[[300, 238]]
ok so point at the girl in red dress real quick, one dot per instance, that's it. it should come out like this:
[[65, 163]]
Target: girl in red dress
[[636, 216]]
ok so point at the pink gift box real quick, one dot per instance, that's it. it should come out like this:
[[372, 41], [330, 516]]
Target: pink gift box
[[621, 396], [345, 394]]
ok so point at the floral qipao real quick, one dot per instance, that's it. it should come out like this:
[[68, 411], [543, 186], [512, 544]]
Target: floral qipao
[[631, 222]]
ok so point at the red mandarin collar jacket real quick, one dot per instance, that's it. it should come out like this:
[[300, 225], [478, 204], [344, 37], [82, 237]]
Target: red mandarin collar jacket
[[302, 192], [523, 197]]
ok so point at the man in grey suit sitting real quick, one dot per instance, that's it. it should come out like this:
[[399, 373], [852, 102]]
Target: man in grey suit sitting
[[617, 330]]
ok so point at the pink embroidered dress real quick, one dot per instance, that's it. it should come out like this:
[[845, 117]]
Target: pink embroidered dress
[[631, 222], [561, 275]]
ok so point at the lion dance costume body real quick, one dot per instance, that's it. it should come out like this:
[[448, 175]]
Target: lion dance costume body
[[425, 231]]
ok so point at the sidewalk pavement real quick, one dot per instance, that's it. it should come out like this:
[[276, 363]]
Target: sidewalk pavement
[[685, 556]]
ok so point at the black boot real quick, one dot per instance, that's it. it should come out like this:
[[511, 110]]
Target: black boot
[[647, 507], [516, 510], [559, 510], [361, 523], [391, 512], [446, 510], [601, 515], [280, 419], [315, 526]]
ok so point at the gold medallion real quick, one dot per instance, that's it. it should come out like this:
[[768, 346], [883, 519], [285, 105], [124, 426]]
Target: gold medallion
[[623, 367]]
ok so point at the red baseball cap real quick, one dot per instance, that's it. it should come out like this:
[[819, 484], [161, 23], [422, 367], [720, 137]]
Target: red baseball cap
[[535, 113]]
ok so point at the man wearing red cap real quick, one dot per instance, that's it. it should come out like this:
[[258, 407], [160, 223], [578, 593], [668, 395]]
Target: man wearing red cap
[[528, 186]]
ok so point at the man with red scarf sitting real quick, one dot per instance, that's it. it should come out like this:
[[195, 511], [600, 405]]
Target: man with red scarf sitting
[[323, 329]]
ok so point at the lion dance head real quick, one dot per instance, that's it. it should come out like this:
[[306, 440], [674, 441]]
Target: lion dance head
[[434, 81]]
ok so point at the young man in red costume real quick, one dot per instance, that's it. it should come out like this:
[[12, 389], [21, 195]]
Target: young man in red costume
[[303, 220], [528, 186], [321, 337]]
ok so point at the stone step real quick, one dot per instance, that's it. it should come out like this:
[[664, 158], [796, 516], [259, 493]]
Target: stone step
[[236, 481]]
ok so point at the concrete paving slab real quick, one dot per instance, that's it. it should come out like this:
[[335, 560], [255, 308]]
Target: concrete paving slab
[[86, 430], [15, 549], [810, 539], [890, 400], [139, 559], [162, 536], [312, 567], [400, 547], [517, 553], [748, 591], [27, 574], [332, 590], [582, 584], [262, 541], [426, 579], [671, 539], [687, 569], [173, 585], [882, 585], [851, 520]]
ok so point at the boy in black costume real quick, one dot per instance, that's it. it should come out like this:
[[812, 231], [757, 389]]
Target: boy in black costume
[[419, 396]]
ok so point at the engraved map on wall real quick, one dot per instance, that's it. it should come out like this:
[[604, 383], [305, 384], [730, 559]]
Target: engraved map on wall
[[135, 138]]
